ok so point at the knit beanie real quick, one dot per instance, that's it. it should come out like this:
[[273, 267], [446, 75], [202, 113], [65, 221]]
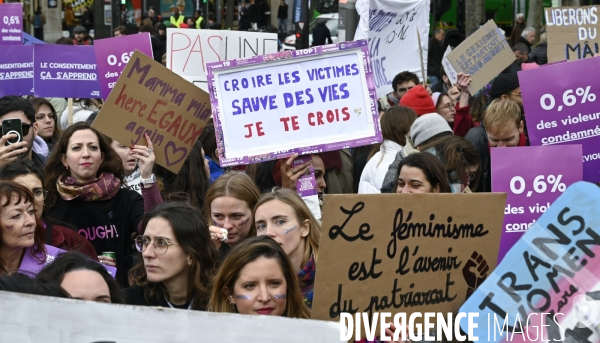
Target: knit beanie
[[419, 100], [428, 126], [503, 84]]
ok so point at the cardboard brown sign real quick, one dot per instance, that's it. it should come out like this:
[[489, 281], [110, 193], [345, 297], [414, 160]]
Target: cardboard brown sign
[[149, 98], [572, 32], [404, 252], [483, 55]]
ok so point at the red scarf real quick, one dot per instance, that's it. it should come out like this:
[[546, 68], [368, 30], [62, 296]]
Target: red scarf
[[522, 140]]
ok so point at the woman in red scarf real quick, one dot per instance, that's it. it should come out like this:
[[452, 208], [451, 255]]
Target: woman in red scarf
[[83, 178]]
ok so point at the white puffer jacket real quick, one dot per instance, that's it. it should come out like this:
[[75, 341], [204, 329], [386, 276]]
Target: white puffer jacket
[[372, 176]]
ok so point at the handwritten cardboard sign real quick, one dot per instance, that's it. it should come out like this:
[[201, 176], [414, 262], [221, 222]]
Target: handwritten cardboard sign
[[404, 252], [149, 98], [100, 322], [268, 107], [483, 55], [533, 180], [572, 32], [188, 51], [448, 68], [393, 40], [552, 269]]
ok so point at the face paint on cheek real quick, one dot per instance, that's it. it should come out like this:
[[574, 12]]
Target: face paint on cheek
[[289, 230], [9, 227], [279, 296], [242, 224], [243, 297], [218, 224]]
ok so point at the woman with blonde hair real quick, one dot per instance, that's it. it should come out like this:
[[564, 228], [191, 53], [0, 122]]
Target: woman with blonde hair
[[257, 278], [230, 200], [283, 216]]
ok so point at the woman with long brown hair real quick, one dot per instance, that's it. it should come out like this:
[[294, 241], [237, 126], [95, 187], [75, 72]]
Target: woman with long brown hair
[[45, 122]]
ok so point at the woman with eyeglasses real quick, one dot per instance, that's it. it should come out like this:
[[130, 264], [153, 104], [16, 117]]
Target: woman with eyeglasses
[[30, 175], [45, 123], [458, 115], [84, 178], [177, 259]]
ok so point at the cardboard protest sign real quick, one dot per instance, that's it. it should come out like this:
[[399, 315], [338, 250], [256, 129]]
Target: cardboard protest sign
[[393, 40], [533, 179], [404, 252], [448, 68], [572, 32], [268, 107], [112, 55], [483, 55], [16, 70], [11, 23], [547, 285], [188, 51], [78, 321], [563, 110], [65, 71], [149, 98]]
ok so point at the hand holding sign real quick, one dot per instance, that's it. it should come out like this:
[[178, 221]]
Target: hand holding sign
[[145, 156]]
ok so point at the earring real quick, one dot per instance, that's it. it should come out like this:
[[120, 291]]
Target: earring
[[67, 166], [232, 305]]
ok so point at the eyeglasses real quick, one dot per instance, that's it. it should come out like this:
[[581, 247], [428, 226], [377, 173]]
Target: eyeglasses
[[40, 194], [24, 128], [41, 116], [449, 106], [404, 89], [161, 245], [517, 94]]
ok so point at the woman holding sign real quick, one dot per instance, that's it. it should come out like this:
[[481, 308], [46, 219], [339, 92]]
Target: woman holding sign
[[230, 201], [257, 278], [284, 216], [83, 178]]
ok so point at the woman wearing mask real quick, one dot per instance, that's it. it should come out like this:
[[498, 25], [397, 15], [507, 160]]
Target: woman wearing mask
[[177, 261], [230, 201], [283, 216], [30, 175], [84, 178], [257, 278], [421, 173], [82, 278]]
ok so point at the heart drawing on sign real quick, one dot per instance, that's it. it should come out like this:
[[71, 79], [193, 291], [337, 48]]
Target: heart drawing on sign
[[173, 154]]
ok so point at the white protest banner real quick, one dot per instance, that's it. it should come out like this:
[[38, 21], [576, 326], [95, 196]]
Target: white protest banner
[[32, 318], [572, 32], [393, 40], [188, 51], [483, 55], [313, 100], [448, 68], [547, 287]]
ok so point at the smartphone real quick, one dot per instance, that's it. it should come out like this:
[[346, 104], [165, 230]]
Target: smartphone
[[12, 126]]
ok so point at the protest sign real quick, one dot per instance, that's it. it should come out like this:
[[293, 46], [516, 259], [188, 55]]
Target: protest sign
[[112, 55], [16, 70], [448, 68], [31, 40], [550, 276], [483, 55], [65, 71], [149, 98], [79, 321], [533, 180], [11, 24], [562, 110], [311, 100], [404, 252], [393, 39], [572, 32], [188, 51]]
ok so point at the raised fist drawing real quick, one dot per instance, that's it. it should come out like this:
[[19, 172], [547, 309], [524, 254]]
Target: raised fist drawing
[[475, 272]]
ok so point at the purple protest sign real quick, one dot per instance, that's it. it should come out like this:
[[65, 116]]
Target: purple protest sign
[[561, 107], [112, 55], [11, 24], [65, 71], [533, 177], [303, 101], [16, 70]]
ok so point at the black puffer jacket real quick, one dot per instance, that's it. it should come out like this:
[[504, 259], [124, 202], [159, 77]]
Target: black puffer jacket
[[539, 54], [479, 139]]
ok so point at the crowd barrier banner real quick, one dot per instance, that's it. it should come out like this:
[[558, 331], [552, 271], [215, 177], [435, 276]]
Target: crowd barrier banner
[[305, 101]]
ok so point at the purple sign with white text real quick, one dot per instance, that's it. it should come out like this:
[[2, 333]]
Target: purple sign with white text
[[112, 55], [533, 177], [11, 24], [65, 71], [16, 70], [561, 107]]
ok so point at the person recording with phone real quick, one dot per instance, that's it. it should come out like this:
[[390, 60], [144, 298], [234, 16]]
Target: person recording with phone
[[17, 119]]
